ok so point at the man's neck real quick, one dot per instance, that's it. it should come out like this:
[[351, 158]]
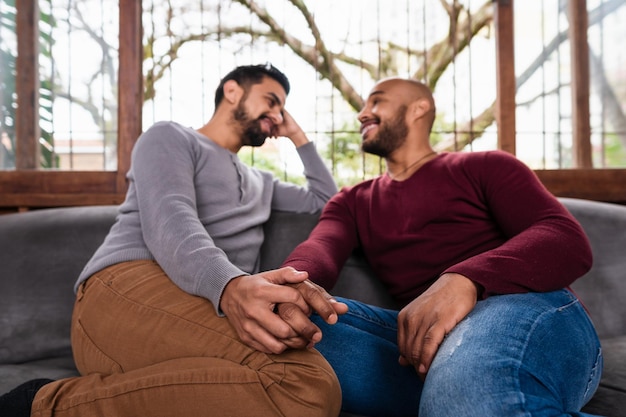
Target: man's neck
[[405, 164], [222, 133]]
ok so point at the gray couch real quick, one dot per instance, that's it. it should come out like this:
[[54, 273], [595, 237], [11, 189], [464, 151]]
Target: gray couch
[[43, 251]]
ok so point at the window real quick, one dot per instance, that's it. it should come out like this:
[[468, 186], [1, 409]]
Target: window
[[333, 52]]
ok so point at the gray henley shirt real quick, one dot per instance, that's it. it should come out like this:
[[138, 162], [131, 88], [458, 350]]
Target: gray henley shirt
[[198, 211]]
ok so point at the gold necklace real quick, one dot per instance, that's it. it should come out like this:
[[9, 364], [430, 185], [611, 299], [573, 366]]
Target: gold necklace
[[393, 177]]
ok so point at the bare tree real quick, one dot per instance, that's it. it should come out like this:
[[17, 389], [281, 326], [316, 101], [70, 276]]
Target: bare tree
[[463, 26]]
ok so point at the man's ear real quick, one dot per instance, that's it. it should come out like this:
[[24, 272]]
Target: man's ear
[[232, 91], [419, 108]]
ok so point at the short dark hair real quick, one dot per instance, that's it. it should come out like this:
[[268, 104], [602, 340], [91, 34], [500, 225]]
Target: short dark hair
[[247, 75]]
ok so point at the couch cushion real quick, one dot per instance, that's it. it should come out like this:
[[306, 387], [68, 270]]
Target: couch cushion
[[53, 368], [610, 399], [358, 282], [603, 288], [283, 232], [41, 254]]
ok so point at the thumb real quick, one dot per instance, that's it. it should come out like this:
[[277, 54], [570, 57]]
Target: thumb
[[286, 275]]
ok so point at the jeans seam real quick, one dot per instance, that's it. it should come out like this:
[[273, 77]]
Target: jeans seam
[[573, 302], [594, 370], [370, 319]]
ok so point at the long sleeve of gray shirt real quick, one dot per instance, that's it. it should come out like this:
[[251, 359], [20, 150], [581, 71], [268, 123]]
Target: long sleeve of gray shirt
[[198, 211]]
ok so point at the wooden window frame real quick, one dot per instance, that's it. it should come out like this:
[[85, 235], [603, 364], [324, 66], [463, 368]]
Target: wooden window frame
[[27, 187], [583, 181]]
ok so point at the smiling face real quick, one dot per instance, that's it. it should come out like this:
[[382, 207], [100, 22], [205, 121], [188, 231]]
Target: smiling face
[[385, 119], [382, 137], [260, 111]]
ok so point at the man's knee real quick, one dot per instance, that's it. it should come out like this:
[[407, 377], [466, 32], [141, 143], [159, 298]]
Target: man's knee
[[308, 387], [482, 385]]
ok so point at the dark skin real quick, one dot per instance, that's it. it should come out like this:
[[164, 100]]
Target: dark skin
[[249, 301], [423, 323]]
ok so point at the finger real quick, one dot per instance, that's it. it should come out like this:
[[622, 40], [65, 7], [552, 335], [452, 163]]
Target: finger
[[259, 339], [320, 301], [410, 339], [266, 333], [275, 325], [287, 119], [269, 349], [340, 308], [296, 343], [281, 294], [403, 361], [286, 275], [429, 346], [403, 334], [414, 347], [300, 323]]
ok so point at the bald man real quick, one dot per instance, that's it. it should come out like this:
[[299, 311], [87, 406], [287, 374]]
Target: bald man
[[479, 257]]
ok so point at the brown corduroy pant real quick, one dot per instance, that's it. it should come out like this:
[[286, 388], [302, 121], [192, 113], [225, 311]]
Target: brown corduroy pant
[[144, 347]]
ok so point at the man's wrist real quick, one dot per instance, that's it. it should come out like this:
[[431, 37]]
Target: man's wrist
[[299, 139], [226, 290]]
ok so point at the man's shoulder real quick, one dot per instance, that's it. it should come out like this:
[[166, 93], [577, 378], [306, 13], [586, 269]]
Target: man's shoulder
[[360, 186], [480, 159], [169, 128], [168, 134], [351, 193], [479, 155]]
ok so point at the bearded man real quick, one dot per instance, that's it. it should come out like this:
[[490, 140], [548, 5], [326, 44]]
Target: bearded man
[[172, 317], [479, 257]]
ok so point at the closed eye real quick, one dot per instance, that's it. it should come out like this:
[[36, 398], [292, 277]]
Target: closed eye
[[273, 100]]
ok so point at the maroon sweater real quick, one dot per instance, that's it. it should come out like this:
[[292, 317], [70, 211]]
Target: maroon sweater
[[484, 215]]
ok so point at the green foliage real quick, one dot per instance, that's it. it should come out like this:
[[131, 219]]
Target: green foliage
[[268, 161], [8, 71], [350, 164], [615, 152], [46, 96], [7, 87]]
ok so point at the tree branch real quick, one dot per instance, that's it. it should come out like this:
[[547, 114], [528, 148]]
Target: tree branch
[[441, 55], [319, 57]]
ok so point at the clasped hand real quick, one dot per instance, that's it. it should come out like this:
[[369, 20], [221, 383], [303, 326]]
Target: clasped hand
[[270, 310]]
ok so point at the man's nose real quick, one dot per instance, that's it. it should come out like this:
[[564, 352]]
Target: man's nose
[[362, 115], [277, 117]]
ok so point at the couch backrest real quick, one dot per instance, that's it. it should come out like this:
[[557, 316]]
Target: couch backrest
[[284, 231], [603, 288], [43, 251], [41, 254]]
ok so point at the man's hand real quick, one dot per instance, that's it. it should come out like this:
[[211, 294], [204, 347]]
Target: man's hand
[[423, 324], [249, 303], [324, 304], [289, 128]]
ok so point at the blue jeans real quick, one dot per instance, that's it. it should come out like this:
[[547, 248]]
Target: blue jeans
[[534, 354]]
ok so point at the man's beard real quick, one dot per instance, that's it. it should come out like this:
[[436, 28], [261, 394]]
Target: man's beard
[[389, 137], [252, 134]]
